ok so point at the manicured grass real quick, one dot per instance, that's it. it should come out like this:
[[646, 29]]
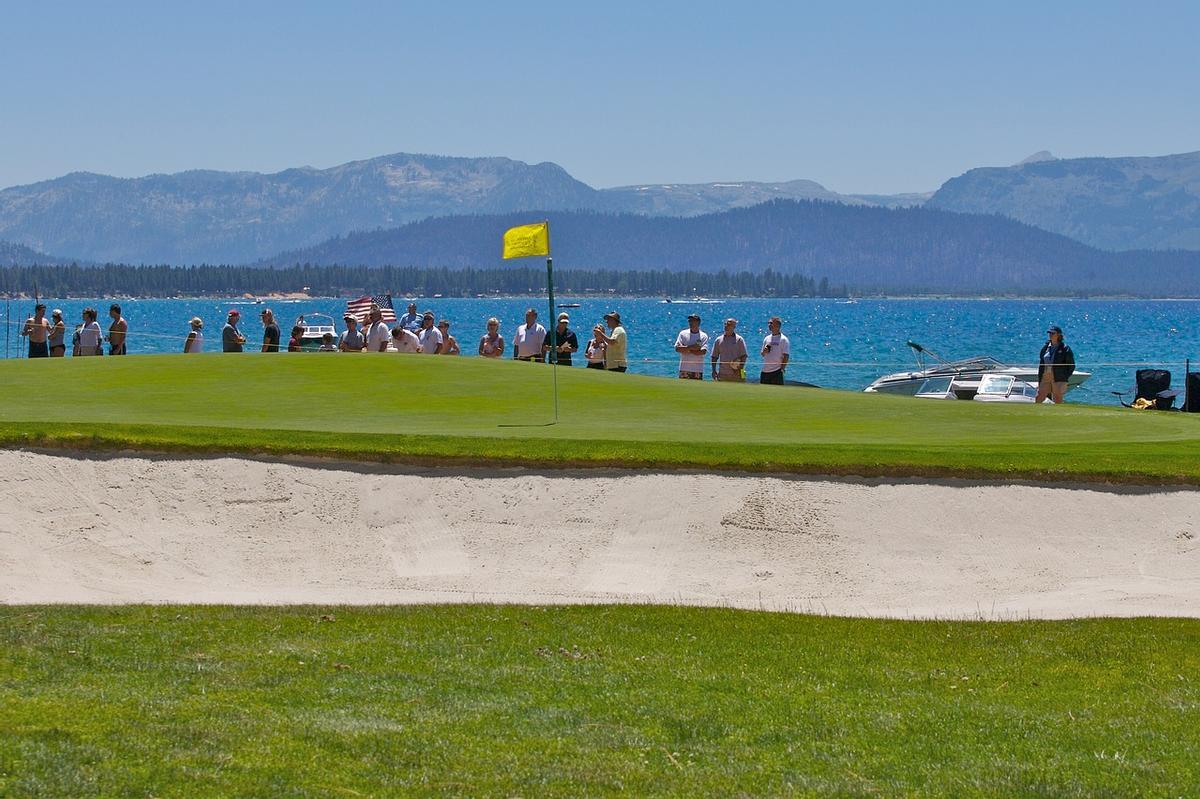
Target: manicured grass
[[397, 408], [527, 701]]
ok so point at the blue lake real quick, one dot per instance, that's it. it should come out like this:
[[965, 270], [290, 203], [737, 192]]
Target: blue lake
[[834, 344]]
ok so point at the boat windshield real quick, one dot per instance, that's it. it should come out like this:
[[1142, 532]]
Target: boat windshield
[[936, 385]]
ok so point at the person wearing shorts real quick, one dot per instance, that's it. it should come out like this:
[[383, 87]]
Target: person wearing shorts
[[692, 346]]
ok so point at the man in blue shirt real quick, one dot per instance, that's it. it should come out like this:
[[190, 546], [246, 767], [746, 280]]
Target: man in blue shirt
[[411, 321]]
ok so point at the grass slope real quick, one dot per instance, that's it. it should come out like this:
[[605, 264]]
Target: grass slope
[[396, 408], [483, 701]]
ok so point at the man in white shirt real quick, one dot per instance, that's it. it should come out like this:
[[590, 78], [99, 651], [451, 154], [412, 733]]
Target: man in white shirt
[[430, 336], [404, 341], [729, 355], [527, 346], [692, 346], [776, 349], [377, 331]]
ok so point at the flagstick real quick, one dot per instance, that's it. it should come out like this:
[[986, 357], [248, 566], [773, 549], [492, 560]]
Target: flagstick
[[553, 331]]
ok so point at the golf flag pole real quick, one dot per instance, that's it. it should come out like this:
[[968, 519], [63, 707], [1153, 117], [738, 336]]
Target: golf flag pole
[[525, 241]]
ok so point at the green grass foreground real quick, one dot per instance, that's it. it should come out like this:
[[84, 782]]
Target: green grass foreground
[[469, 410], [585, 701]]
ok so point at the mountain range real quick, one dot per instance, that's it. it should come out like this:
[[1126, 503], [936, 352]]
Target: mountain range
[[866, 248], [243, 217], [1110, 203]]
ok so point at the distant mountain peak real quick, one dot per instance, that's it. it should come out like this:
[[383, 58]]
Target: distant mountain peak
[[1037, 158]]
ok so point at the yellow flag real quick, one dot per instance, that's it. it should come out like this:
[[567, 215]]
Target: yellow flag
[[526, 240]]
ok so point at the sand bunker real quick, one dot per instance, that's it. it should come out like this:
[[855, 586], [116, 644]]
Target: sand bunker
[[79, 528]]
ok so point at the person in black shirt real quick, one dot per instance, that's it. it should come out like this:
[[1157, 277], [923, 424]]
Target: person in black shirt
[[1056, 364], [565, 341], [270, 331]]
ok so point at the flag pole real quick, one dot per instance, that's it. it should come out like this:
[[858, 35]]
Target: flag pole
[[553, 322]]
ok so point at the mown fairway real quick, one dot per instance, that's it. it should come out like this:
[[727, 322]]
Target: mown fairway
[[390, 407], [508, 701]]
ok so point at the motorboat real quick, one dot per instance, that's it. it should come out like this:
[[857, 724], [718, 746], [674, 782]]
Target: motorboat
[[967, 372], [315, 326], [980, 388]]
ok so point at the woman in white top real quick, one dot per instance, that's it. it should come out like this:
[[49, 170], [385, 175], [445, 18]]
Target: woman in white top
[[90, 335], [595, 351], [195, 339]]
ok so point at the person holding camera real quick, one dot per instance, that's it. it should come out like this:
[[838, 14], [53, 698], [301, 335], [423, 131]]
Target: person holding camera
[[776, 350]]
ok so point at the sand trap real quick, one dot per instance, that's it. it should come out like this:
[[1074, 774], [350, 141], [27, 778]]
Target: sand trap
[[77, 528]]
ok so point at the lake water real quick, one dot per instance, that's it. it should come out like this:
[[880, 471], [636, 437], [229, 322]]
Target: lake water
[[834, 344]]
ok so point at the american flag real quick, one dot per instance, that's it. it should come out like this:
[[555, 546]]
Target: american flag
[[360, 309]]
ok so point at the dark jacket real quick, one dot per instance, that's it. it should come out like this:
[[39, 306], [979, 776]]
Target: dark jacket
[[1064, 363]]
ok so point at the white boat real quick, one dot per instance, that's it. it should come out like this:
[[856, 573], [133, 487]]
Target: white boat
[[981, 388], [967, 372], [315, 326]]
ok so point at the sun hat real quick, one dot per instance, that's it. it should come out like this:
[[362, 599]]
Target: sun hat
[[613, 315]]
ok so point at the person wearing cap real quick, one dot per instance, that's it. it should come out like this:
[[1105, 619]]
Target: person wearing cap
[[491, 343], [232, 339], [271, 335], [195, 338], [530, 338], [429, 336], [776, 351], [411, 321], [692, 346], [616, 346], [117, 331], [58, 334], [565, 341], [729, 355], [37, 328], [449, 342], [1056, 364], [351, 340]]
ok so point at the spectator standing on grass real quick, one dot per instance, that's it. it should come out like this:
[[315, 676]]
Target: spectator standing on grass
[[776, 351], [271, 334], [530, 338], [565, 341], [692, 346], [616, 346], [378, 334], [117, 331], [430, 336], [491, 343], [232, 339], [296, 342], [404, 341], [729, 355], [352, 340], [37, 328], [1056, 364], [449, 342], [195, 338], [411, 321], [58, 334], [91, 337], [595, 349]]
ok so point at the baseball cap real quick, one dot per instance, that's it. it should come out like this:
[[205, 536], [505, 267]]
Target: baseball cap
[[693, 316], [234, 312], [564, 317], [1054, 329]]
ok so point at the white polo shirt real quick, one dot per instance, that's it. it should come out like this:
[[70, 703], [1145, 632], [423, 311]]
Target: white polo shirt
[[529, 342], [780, 346], [430, 338]]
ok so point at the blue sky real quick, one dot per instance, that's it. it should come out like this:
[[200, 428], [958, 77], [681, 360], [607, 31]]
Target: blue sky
[[862, 97]]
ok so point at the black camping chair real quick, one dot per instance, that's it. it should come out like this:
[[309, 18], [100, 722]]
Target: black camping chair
[[1191, 402], [1153, 385]]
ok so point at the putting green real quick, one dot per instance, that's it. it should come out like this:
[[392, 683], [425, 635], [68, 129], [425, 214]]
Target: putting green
[[394, 407]]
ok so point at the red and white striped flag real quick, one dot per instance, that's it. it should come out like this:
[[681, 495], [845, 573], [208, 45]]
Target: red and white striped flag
[[360, 309]]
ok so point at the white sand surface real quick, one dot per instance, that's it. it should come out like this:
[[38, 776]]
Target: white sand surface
[[94, 529]]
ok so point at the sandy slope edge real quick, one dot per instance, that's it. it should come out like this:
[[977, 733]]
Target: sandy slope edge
[[83, 528]]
